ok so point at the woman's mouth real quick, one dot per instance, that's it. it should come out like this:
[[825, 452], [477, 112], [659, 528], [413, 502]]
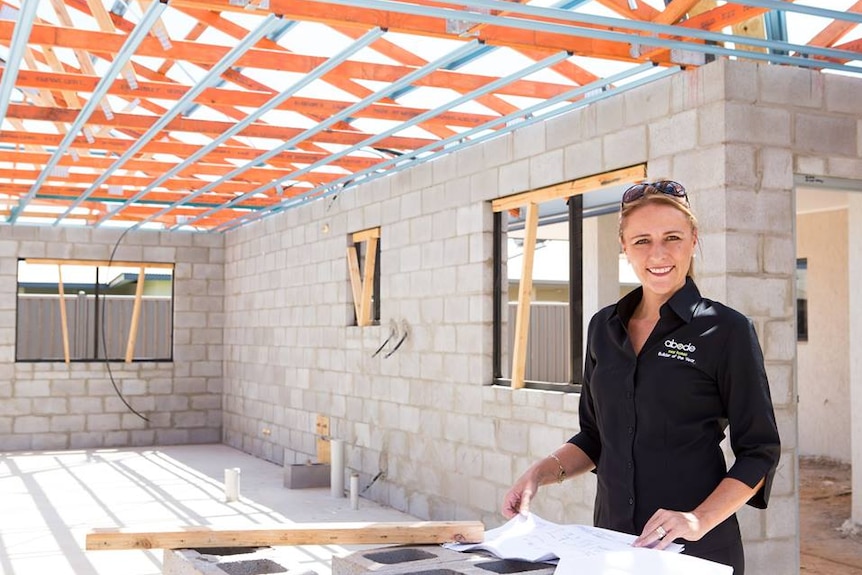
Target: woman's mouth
[[660, 271]]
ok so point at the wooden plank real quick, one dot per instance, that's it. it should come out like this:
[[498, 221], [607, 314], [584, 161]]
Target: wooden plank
[[368, 281], [674, 11], [321, 428], [64, 322], [836, 29], [136, 316], [525, 287], [115, 263], [354, 533], [355, 278], [571, 188], [366, 234], [753, 27], [208, 54]]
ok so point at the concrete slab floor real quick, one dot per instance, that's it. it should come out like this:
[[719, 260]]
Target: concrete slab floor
[[49, 500]]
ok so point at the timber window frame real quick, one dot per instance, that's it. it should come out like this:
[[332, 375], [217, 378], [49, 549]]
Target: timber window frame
[[363, 261], [528, 202]]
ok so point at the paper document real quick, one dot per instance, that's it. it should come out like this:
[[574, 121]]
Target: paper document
[[638, 561], [583, 549]]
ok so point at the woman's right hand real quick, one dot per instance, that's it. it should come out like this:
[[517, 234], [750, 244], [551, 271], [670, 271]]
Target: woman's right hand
[[567, 461], [518, 498]]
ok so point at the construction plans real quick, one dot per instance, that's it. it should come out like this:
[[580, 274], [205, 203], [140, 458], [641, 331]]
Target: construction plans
[[585, 550]]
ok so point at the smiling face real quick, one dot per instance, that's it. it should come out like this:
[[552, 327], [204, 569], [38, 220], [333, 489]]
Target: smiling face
[[659, 241]]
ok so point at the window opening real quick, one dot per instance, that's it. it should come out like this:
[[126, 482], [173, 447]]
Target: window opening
[[72, 310], [363, 255], [539, 284]]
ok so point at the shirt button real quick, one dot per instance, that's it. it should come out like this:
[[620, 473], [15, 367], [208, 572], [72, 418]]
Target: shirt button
[[629, 465], [631, 430], [631, 500]]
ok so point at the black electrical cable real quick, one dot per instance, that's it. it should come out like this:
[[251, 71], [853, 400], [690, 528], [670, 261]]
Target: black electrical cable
[[376, 477], [105, 340], [392, 333], [400, 341]]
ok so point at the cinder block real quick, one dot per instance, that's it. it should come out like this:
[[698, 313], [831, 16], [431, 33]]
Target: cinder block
[[228, 561], [303, 475], [387, 558], [431, 560]]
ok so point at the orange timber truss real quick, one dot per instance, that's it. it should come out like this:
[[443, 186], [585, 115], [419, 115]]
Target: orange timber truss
[[206, 115]]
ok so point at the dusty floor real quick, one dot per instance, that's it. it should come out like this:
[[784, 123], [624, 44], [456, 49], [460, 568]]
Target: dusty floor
[[824, 506]]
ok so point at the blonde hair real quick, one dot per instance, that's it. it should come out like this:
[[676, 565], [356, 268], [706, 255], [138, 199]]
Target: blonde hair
[[654, 196]]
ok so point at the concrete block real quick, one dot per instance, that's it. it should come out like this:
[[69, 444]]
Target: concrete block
[[431, 560], [581, 158], [847, 167], [675, 134], [741, 80], [529, 141], [384, 559], [775, 168], [647, 102], [842, 95], [546, 169], [610, 115], [229, 561], [624, 147], [798, 87], [757, 124], [303, 475], [825, 135], [514, 177]]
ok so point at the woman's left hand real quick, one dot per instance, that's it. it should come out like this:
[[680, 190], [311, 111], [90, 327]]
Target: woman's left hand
[[665, 526]]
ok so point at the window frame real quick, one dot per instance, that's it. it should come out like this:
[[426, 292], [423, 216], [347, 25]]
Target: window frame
[[573, 192], [364, 272], [95, 319]]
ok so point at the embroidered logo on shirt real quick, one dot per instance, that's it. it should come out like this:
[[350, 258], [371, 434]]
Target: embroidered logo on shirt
[[678, 351]]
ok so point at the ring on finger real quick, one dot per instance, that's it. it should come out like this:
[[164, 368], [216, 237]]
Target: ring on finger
[[661, 532]]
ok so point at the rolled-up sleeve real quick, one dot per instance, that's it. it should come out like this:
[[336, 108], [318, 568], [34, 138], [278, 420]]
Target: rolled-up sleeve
[[744, 389]]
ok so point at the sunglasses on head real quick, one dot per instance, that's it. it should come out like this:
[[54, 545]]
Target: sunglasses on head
[[667, 187]]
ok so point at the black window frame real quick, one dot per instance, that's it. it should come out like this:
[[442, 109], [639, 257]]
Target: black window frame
[[575, 218]]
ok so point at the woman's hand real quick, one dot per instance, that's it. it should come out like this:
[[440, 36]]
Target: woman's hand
[[567, 461], [518, 498], [665, 526]]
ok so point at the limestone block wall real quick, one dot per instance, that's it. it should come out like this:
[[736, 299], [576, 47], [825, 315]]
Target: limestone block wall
[[52, 405], [424, 428]]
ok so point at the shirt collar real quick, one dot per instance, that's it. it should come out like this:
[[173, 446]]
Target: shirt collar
[[683, 303]]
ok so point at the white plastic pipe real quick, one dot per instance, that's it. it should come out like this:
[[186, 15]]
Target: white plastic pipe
[[231, 484], [354, 491], [336, 479]]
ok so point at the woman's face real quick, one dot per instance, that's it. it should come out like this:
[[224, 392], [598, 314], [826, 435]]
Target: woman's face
[[659, 241]]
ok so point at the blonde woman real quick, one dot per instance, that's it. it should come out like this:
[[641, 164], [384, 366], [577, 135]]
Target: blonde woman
[[666, 370]]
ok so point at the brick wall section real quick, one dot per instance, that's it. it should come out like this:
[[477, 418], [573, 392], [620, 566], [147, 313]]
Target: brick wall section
[[57, 406], [444, 444]]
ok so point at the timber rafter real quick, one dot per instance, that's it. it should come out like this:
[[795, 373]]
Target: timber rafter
[[291, 119]]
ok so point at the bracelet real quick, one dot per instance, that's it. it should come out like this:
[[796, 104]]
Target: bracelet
[[561, 475]]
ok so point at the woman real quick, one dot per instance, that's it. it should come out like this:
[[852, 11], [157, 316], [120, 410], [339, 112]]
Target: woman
[[666, 370]]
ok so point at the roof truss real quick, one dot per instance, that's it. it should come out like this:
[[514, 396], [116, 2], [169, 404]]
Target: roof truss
[[240, 109]]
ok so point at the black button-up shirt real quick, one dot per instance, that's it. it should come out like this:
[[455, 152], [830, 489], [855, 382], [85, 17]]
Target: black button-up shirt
[[652, 422]]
